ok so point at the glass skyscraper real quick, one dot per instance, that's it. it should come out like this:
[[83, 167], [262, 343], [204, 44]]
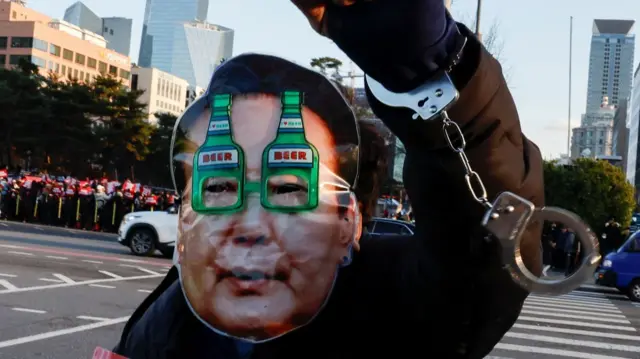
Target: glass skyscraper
[[177, 39], [610, 62], [116, 30]]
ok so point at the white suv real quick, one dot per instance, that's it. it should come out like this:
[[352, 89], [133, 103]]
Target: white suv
[[144, 232]]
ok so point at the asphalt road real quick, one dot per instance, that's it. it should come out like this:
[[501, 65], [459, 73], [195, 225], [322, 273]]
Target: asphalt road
[[63, 292]]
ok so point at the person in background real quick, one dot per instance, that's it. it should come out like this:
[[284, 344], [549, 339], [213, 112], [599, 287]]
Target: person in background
[[572, 250]]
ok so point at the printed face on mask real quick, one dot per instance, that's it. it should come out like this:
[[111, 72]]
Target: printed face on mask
[[257, 273]]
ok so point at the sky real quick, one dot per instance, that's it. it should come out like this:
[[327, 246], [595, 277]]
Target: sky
[[534, 36]]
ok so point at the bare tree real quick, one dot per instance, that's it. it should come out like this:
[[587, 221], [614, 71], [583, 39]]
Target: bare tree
[[491, 39]]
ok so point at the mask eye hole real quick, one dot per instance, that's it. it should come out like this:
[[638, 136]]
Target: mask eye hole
[[287, 190], [218, 192]]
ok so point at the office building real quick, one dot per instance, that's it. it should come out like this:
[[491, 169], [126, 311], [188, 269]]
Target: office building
[[610, 62], [633, 123], [163, 92], [177, 39], [596, 138], [116, 30], [56, 46], [621, 133], [193, 93]]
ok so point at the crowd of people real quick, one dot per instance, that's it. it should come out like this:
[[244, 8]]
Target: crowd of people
[[89, 204], [561, 248]]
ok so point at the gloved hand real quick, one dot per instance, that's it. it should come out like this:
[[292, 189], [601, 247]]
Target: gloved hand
[[398, 42]]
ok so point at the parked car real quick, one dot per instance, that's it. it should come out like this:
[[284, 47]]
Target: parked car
[[144, 232], [386, 226]]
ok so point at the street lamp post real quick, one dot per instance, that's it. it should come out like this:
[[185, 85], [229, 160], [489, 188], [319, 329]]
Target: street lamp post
[[478, 13]]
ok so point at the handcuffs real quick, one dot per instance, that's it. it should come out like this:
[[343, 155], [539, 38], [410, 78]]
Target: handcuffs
[[507, 217]]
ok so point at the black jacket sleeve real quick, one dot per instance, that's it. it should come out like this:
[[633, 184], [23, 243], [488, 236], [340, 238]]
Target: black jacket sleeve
[[448, 218]]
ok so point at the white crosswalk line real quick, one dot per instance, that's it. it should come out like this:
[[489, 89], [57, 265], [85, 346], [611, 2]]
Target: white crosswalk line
[[582, 324]]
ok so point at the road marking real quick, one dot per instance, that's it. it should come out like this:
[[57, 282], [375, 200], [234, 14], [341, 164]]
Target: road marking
[[581, 298], [578, 332], [4, 225], [599, 287], [576, 323], [7, 285], [57, 333], [70, 231], [21, 253], [40, 229], [130, 260], [90, 261], [110, 274], [564, 310], [29, 310], [63, 278], [7, 275], [581, 343], [51, 280], [101, 286], [76, 284], [144, 291], [550, 351], [95, 319], [11, 246], [600, 295], [572, 303], [56, 257], [569, 306], [149, 271], [70, 253], [574, 316]]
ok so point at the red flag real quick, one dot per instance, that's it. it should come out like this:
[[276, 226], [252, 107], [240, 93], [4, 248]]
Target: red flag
[[101, 353]]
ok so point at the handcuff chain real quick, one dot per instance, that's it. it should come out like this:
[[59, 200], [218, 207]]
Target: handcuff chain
[[472, 177]]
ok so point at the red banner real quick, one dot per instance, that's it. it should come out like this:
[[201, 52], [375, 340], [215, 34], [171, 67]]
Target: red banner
[[101, 353], [4, 173]]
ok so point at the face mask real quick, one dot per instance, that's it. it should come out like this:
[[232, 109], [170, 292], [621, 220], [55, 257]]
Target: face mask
[[268, 215]]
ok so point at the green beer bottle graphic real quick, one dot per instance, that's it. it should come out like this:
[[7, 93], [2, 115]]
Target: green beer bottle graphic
[[218, 165], [289, 156]]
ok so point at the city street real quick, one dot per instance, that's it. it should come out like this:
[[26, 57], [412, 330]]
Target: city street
[[63, 292], [590, 323]]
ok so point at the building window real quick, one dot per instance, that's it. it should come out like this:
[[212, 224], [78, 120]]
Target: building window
[[14, 14], [102, 68], [39, 62], [64, 70], [3, 60], [67, 55], [22, 42], [87, 77], [69, 72], [92, 63], [113, 71], [134, 82], [15, 59], [75, 74], [54, 50], [81, 75], [40, 45], [106, 29], [125, 74], [80, 59], [110, 31], [3, 42]]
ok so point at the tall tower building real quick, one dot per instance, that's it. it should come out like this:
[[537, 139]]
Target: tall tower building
[[116, 30], [177, 39], [610, 63]]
